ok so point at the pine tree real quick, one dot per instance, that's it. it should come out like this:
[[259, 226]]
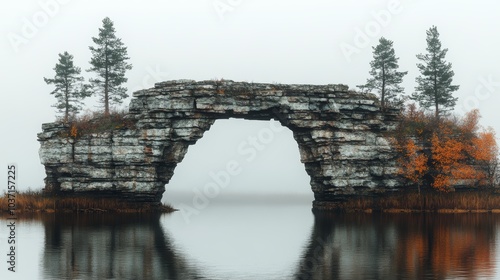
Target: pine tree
[[434, 88], [384, 75], [108, 60], [69, 91]]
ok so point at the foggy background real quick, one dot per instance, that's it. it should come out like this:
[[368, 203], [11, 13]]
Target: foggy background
[[304, 42]]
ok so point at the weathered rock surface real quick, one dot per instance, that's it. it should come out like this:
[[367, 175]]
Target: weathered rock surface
[[340, 134]]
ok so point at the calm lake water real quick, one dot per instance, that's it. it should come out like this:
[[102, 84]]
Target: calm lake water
[[263, 241]]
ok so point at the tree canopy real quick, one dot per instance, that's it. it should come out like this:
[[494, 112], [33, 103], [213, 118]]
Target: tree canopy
[[385, 76], [434, 85], [69, 88], [109, 62]]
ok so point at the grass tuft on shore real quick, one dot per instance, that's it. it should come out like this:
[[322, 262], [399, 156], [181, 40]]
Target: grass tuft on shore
[[36, 201]]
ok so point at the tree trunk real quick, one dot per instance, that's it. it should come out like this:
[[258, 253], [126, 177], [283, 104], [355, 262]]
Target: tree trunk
[[106, 99], [382, 102], [66, 99], [106, 93], [106, 86], [436, 97]]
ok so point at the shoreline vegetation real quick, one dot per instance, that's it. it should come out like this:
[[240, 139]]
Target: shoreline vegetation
[[39, 202], [470, 201]]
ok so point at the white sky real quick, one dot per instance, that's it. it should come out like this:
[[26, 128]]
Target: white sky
[[262, 41]]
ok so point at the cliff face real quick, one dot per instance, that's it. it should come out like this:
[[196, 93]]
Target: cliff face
[[340, 134]]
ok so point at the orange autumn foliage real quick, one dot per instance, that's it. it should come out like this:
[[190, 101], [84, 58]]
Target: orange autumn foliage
[[452, 151], [74, 131], [484, 146], [486, 150], [413, 165], [449, 162]]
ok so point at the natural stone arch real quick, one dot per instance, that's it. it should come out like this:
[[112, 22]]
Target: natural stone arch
[[340, 134]]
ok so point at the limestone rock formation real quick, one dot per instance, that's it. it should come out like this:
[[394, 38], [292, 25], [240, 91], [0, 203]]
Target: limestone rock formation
[[341, 137]]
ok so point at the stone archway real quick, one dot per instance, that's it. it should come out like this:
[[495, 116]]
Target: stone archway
[[340, 134]]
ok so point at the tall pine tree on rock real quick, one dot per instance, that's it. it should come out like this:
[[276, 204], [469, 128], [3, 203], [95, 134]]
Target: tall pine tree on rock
[[434, 88], [384, 75], [70, 90], [108, 60]]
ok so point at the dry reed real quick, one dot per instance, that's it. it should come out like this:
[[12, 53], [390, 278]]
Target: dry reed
[[31, 201], [471, 201]]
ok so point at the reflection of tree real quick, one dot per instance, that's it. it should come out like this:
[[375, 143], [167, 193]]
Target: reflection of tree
[[442, 245], [320, 259], [111, 247], [408, 246]]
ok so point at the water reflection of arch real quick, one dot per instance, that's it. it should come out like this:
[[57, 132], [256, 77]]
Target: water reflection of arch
[[128, 246], [400, 246]]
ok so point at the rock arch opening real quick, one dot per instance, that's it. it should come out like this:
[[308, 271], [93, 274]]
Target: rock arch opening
[[263, 159]]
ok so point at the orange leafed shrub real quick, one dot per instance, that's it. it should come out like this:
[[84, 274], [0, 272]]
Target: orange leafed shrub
[[446, 152], [485, 152], [485, 146], [74, 131], [413, 165], [447, 156]]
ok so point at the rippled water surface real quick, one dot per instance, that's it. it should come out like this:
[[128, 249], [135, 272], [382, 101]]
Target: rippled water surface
[[232, 241]]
